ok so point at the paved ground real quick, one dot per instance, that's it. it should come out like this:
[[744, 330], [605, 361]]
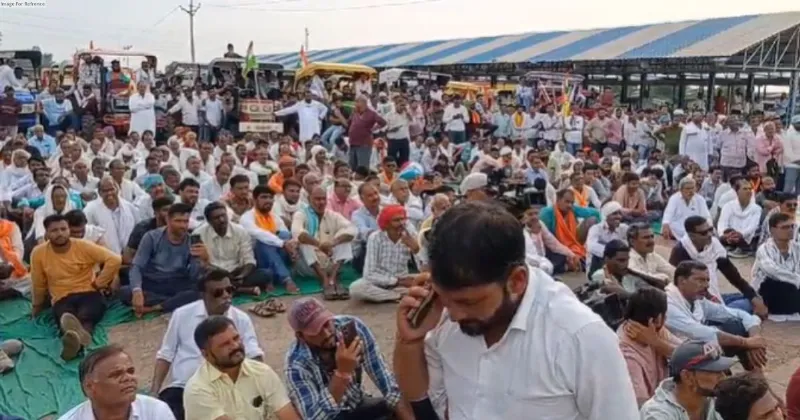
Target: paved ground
[[142, 339]]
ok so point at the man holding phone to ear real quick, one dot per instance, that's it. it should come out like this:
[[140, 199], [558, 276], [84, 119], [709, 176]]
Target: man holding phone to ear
[[324, 373], [513, 344]]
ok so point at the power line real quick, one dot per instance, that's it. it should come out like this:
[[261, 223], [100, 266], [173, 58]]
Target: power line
[[332, 9], [163, 18], [251, 3], [191, 11]]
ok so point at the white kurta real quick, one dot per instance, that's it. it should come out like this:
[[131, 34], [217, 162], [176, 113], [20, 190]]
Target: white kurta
[[678, 210], [118, 224], [310, 116], [743, 220], [143, 114], [694, 143]]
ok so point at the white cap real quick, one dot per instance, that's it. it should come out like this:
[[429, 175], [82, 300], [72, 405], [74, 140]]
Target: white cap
[[474, 181], [678, 112], [505, 151]]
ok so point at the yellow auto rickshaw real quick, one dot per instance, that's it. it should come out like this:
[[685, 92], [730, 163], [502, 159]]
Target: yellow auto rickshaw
[[467, 91], [341, 76]]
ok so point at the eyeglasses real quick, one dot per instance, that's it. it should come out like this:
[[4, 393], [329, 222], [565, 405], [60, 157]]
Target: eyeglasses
[[219, 292], [704, 232]]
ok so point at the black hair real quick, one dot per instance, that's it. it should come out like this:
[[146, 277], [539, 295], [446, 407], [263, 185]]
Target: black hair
[[86, 368], [736, 395], [179, 208], [238, 179], [629, 177], [262, 189], [489, 244], [657, 172], [362, 171], [614, 247], [161, 202], [645, 304], [685, 268], [212, 207], [561, 193], [634, 229], [149, 159], [214, 274], [188, 182], [302, 167], [778, 218], [714, 168], [784, 197], [692, 222], [736, 182], [389, 159], [590, 167], [291, 182], [210, 327], [75, 218], [53, 218]]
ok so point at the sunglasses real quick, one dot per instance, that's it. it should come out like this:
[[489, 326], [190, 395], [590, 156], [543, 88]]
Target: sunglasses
[[704, 232], [219, 292]]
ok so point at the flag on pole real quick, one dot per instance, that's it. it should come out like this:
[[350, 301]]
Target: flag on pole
[[91, 45], [303, 56], [250, 62]]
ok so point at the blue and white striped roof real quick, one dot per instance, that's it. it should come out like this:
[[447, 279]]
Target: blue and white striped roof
[[721, 37]]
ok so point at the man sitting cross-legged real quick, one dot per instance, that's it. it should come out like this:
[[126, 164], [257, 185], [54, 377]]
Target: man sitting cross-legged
[[272, 242], [562, 219], [699, 244], [389, 252], [776, 272], [739, 220], [231, 249], [614, 277], [325, 243], [691, 316], [166, 266], [64, 269], [179, 355]]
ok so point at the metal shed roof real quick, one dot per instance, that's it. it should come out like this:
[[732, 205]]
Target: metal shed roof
[[720, 37]]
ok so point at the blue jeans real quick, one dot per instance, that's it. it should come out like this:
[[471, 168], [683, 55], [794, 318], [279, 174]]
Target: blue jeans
[[791, 180], [330, 135], [644, 152], [573, 148], [737, 301], [274, 258]]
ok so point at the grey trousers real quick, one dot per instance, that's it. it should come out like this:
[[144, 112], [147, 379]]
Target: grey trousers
[[359, 156]]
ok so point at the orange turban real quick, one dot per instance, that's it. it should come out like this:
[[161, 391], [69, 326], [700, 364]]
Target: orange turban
[[388, 213]]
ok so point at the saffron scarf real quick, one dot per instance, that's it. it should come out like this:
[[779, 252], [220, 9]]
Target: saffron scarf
[[265, 221], [581, 198], [567, 232], [519, 119], [8, 251], [276, 182]]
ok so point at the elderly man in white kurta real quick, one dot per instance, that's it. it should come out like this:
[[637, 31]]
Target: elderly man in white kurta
[[694, 141], [325, 239], [684, 203], [115, 215], [143, 113], [310, 114], [740, 218]]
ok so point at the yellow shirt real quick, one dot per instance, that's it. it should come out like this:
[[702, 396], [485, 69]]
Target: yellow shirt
[[62, 274], [257, 394]]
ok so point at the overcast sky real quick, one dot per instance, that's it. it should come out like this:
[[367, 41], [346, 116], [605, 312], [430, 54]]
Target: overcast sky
[[278, 25]]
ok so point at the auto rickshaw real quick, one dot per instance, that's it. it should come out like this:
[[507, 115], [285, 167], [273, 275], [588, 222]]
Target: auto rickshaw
[[467, 91], [340, 76], [29, 63], [188, 73], [115, 87]]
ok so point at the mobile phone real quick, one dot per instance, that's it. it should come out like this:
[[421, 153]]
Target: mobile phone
[[195, 239], [349, 333], [416, 316]]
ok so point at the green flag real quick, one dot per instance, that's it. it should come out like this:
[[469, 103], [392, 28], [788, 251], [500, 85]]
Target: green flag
[[250, 62]]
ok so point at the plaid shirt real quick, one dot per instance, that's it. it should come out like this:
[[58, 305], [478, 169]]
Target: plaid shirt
[[307, 378], [385, 260]]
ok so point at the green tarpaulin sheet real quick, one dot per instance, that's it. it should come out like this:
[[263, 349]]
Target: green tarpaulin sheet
[[42, 383]]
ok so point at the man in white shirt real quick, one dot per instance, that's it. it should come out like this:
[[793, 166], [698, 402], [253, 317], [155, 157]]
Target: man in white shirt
[[397, 123], [791, 156], [194, 170], [7, 77], [694, 142], [213, 112], [142, 106], [108, 378], [455, 118], [739, 220], [310, 114], [682, 204], [179, 355], [188, 105], [145, 74], [484, 354]]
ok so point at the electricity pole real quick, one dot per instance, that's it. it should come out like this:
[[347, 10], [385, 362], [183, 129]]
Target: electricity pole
[[191, 11]]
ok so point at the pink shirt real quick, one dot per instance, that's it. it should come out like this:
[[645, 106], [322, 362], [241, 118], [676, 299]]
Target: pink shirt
[[646, 368], [767, 149], [345, 208]]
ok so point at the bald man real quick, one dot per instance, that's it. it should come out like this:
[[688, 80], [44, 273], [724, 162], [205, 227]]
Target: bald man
[[401, 194], [325, 239]]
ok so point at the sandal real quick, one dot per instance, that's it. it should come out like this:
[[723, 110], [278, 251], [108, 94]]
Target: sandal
[[329, 293], [275, 305], [341, 292], [263, 310]]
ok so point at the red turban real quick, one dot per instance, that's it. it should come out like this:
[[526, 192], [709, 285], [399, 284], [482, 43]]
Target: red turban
[[388, 213]]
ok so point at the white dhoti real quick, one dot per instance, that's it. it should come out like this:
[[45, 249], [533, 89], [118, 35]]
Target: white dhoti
[[363, 289], [310, 255]]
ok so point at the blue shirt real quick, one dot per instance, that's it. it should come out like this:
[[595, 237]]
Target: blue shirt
[[532, 174], [547, 215], [45, 145], [159, 264], [307, 379], [54, 110], [366, 224], [503, 123]]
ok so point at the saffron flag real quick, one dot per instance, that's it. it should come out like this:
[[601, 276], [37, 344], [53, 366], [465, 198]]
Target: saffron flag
[[250, 62], [303, 57]]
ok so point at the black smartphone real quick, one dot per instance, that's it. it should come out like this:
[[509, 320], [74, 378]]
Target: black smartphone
[[349, 333], [416, 316], [195, 239]]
